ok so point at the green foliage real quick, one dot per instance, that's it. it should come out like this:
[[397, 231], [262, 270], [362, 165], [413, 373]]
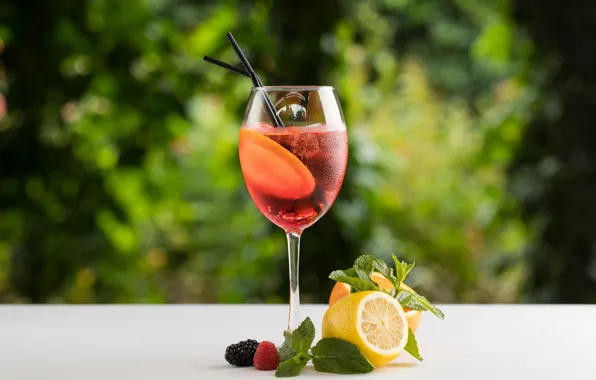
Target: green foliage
[[119, 178], [553, 170]]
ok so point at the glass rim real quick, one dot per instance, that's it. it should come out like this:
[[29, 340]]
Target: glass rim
[[292, 88]]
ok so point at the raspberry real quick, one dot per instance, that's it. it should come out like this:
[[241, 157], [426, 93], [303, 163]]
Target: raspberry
[[266, 358], [241, 353]]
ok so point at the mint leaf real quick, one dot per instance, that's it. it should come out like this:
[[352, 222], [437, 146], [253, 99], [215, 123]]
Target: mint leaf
[[401, 270], [335, 355], [368, 263], [350, 272], [355, 282], [286, 351], [409, 268], [412, 346], [410, 299], [293, 366], [406, 300], [364, 276], [303, 336], [381, 267], [365, 263]]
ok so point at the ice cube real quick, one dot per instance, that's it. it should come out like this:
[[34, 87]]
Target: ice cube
[[305, 145]]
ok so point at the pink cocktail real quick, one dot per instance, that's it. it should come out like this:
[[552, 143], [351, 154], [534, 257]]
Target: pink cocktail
[[294, 173]]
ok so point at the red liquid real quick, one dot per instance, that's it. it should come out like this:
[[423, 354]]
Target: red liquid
[[293, 175]]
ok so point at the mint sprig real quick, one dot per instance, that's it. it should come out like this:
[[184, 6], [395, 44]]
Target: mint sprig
[[303, 336], [359, 280], [328, 355], [402, 269], [358, 277]]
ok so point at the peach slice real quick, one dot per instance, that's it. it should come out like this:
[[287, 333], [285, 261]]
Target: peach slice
[[270, 168]]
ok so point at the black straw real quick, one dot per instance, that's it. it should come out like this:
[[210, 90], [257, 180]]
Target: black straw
[[233, 68], [256, 81]]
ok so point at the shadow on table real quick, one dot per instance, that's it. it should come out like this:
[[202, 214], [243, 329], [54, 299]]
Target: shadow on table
[[401, 365], [310, 370], [396, 366], [224, 367]]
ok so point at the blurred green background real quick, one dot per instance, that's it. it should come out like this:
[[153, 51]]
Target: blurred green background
[[472, 148]]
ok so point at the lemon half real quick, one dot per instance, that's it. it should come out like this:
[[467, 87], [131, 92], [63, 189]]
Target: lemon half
[[373, 321]]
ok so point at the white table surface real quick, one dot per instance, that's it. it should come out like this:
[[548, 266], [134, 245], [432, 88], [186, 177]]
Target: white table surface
[[188, 342]]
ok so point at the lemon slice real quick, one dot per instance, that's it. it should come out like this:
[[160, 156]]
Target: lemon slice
[[373, 321]]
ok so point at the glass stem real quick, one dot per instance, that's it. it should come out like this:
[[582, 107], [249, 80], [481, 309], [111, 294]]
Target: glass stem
[[294, 258]]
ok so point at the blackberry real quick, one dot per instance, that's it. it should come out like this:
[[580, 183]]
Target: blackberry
[[241, 353]]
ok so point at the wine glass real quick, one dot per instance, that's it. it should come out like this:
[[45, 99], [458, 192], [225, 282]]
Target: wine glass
[[294, 172]]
